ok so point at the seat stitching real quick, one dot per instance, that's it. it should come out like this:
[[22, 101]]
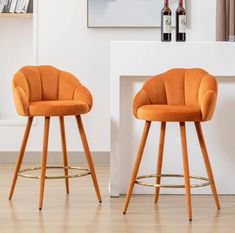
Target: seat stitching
[[58, 88], [199, 89], [165, 90], [27, 83], [185, 87], [42, 97]]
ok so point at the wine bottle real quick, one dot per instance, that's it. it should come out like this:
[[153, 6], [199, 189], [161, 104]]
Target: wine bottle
[[166, 22], [180, 22]]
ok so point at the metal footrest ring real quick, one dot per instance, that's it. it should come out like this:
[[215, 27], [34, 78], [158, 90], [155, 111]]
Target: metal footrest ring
[[85, 172], [139, 182]]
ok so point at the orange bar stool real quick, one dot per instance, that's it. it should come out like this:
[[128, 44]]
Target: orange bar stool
[[178, 95], [47, 91]]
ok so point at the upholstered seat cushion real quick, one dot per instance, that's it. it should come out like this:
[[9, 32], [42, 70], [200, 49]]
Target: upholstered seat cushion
[[164, 113], [58, 108]]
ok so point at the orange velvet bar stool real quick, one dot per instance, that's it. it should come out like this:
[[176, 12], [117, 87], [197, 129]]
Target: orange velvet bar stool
[[47, 91], [178, 95]]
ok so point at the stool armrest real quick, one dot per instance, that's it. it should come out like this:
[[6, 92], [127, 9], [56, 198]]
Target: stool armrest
[[81, 93], [208, 105], [208, 96], [21, 101], [141, 99]]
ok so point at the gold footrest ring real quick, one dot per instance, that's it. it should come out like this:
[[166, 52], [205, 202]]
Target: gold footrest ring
[[85, 172], [208, 181]]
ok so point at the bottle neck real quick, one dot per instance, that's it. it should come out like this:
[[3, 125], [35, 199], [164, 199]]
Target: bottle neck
[[166, 3], [181, 3]]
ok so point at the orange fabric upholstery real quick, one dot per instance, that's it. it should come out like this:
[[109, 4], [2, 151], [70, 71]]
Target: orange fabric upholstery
[[166, 113], [58, 108], [47, 91], [177, 95]]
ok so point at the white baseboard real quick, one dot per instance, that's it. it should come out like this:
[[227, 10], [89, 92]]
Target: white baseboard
[[54, 157]]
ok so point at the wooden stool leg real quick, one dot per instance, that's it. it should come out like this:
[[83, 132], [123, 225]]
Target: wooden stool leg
[[186, 169], [159, 160], [64, 152], [88, 156], [44, 161], [136, 165], [207, 163], [21, 155]]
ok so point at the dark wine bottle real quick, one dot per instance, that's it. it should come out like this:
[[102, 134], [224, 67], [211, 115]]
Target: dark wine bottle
[[180, 22], [166, 22]]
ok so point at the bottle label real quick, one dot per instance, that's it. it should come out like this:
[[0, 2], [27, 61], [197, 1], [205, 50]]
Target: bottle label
[[167, 24], [182, 23]]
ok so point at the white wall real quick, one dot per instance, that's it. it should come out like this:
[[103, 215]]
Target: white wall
[[65, 41], [16, 46]]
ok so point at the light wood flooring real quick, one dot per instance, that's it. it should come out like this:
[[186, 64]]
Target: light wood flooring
[[79, 211]]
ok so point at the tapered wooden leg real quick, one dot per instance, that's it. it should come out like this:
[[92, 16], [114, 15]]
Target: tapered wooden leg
[[88, 156], [21, 155], [44, 161], [64, 152], [207, 163], [136, 165], [186, 169], [159, 160]]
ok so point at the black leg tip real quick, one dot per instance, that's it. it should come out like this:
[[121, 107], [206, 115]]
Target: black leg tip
[[124, 213], [40, 209], [190, 220], [100, 201]]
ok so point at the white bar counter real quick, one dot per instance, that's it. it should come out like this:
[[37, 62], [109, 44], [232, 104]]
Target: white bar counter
[[132, 63]]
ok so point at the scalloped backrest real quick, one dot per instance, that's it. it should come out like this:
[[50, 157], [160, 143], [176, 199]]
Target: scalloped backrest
[[43, 83], [177, 86]]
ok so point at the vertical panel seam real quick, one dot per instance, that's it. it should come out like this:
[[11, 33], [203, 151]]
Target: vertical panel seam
[[42, 98], [165, 90], [58, 88]]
